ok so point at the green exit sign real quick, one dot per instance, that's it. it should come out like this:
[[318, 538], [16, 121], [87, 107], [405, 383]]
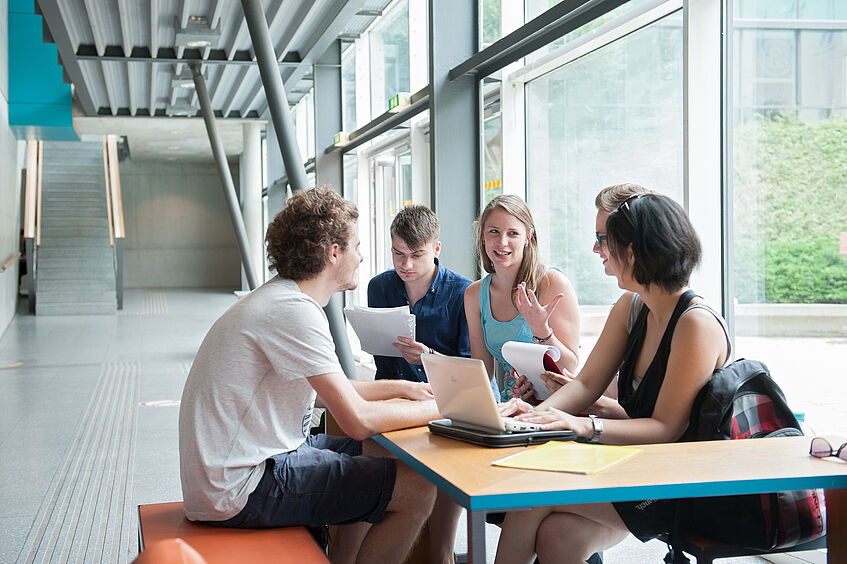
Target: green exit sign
[[398, 101]]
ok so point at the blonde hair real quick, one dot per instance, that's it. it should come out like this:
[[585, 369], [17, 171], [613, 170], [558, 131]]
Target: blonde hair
[[532, 269], [610, 198]]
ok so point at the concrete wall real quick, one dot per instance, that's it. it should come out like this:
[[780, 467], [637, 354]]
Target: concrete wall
[[9, 184], [179, 234]]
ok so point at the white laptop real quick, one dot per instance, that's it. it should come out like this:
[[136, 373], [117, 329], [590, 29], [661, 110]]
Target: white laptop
[[463, 394]]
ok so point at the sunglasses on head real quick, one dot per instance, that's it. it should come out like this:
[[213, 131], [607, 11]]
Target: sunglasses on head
[[627, 213]]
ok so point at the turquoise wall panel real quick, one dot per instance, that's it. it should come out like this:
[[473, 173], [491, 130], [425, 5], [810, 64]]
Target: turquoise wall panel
[[39, 100]]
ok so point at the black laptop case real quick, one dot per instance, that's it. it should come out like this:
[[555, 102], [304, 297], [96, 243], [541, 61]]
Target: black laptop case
[[445, 428]]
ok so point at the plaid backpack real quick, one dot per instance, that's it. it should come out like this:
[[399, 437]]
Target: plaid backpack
[[741, 401]]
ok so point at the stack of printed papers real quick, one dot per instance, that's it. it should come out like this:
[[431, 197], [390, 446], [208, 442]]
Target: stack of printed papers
[[378, 327], [576, 458]]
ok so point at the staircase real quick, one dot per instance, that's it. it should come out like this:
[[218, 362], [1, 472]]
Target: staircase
[[75, 271]]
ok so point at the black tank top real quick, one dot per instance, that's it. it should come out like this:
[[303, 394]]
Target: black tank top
[[641, 401]]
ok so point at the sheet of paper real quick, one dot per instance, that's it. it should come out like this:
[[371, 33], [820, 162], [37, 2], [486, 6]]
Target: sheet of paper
[[576, 458], [378, 327], [528, 360]]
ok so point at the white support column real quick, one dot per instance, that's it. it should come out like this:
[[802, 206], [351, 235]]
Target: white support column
[[250, 166], [419, 78], [512, 108], [702, 173]]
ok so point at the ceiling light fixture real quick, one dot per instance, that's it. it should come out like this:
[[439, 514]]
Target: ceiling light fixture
[[181, 108], [183, 80], [198, 33]]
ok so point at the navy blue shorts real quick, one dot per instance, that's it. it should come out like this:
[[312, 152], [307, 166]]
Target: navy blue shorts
[[326, 481]]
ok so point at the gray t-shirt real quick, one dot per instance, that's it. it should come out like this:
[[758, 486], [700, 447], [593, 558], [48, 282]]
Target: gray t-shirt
[[247, 397]]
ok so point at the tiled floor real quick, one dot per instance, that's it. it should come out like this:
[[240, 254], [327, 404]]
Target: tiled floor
[[88, 425]]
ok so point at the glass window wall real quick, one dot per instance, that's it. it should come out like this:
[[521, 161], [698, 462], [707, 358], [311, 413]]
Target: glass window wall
[[389, 57], [492, 128], [612, 116], [789, 155], [534, 8], [490, 22], [348, 88]]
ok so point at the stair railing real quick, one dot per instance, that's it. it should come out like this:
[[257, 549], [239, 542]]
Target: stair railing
[[32, 215], [114, 211]]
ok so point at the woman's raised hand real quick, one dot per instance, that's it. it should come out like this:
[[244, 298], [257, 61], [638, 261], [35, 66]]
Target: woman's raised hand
[[535, 314]]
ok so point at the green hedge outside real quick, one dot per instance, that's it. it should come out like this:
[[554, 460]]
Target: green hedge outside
[[790, 196]]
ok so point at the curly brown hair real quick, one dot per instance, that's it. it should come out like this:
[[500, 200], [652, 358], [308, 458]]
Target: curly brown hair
[[300, 236]]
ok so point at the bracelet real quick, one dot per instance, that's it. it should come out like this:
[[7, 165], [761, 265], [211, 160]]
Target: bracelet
[[430, 350], [544, 339]]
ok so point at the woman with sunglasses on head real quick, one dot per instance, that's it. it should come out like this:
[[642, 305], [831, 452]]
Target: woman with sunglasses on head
[[664, 343], [606, 202], [519, 299]]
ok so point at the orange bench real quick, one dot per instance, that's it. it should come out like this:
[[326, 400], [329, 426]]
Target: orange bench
[[161, 521]]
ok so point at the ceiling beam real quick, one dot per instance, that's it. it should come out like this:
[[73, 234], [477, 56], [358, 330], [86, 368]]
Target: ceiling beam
[[214, 17], [92, 13], [280, 50], [124, 21], [233, 92], [55, 23], [183, 23], [168, 56], [320, 42], [154, 48]]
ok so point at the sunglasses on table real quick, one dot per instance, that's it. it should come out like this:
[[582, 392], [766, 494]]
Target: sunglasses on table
[[822, 449]]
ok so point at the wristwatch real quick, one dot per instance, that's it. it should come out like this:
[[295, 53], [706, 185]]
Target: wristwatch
[[598, 428]]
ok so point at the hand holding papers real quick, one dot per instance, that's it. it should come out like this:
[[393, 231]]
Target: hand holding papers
[[378, 327], [530, 360], [575, 458]]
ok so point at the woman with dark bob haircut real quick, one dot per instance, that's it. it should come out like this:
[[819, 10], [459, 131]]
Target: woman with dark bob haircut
[[664, 344]]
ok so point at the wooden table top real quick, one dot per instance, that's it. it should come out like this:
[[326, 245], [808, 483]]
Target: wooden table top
[[658, 472]]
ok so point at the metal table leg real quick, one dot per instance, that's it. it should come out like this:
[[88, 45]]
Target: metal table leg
[[476, 537]]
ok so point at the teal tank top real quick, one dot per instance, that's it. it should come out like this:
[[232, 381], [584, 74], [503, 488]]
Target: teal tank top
[[496, 333]]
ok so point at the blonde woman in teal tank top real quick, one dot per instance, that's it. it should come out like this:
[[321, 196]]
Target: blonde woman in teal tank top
[[519, 300]]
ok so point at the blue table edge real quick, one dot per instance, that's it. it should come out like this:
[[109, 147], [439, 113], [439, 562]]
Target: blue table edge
[[499, 502]]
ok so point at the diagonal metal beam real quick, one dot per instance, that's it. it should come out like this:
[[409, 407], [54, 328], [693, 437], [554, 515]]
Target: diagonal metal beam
[[55, 23], [281, 49], [214, 18], [291, 158], [269, 70], [225, 175]]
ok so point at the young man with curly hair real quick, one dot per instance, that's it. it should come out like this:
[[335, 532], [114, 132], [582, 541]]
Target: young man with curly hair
[[246, 456]]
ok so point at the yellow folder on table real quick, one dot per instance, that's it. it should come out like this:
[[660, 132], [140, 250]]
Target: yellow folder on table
[[576, 458]]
